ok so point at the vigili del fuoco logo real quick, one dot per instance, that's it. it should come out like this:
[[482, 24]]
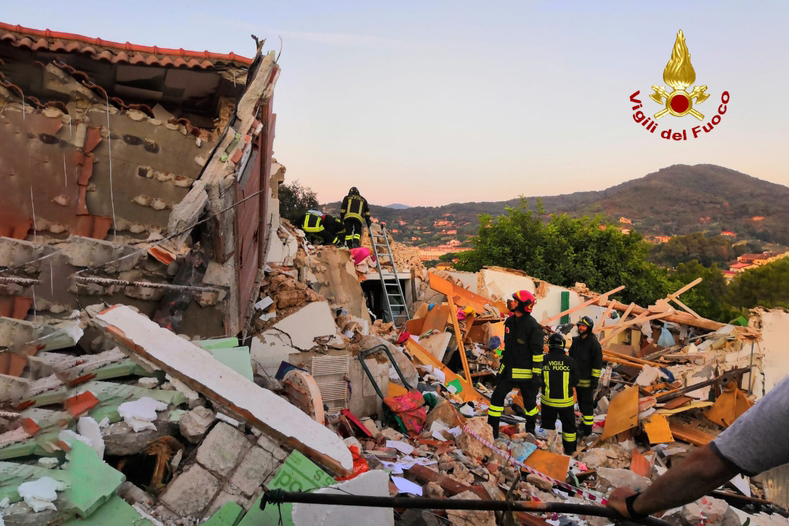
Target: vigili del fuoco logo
[[677, 100]]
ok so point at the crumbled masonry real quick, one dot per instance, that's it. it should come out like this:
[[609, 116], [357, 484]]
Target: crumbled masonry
[[238, 369]]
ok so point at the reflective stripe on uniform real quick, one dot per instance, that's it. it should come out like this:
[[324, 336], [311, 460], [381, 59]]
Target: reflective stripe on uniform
[[495, 410], [558, 402], [531, 412], [568, 437], [596, 373], [566, 386], [588, 420], [537, 358], [521, 374], [584, 383], [354, 213], [312, 224]]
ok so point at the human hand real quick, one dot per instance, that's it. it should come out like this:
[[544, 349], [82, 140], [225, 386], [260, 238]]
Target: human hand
[[616, 500]]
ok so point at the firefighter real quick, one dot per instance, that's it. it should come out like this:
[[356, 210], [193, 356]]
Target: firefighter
[[521, 361], [560, 375], [588, 354], [321, 228], [354, 209]]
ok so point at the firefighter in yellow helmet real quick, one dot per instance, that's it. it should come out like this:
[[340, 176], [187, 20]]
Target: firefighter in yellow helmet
[[521, 361], [354, 209], [321, 229]]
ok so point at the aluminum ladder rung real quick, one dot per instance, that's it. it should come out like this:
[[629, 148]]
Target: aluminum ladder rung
[[382, 250]]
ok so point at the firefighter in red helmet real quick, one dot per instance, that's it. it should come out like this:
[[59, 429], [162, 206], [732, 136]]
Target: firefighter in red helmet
[[521, 361]]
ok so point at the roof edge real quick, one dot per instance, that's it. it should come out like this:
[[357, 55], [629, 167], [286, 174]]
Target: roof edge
[[125, 46]]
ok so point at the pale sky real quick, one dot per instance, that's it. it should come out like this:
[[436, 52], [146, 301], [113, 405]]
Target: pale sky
[[428, 103]]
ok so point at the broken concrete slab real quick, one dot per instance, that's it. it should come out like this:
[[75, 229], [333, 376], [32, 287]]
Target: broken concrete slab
[[121, 440], [194, 424], [191, 491], [222, 449], [95, 482], [468, 517], [610, 478], [225, 387], [372, 483], [140, 414], [312, 321], [436, 343], [255, 468], [269, 350]]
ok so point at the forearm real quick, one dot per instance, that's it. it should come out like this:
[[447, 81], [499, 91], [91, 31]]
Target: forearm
[[700, 473]]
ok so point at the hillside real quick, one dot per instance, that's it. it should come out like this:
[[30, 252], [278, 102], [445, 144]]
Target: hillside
[[679, 199]]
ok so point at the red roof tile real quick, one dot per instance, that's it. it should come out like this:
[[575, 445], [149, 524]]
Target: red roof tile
[[115, 52]]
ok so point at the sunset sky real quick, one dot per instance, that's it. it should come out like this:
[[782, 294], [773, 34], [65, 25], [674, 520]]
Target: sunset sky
[[428, 103]]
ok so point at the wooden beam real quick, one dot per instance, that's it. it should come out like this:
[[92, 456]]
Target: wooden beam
[[686, 287], [582, 305], [453, 315], [677, 317], [607, 313], [423, 356], [684, 307], [639, 319]]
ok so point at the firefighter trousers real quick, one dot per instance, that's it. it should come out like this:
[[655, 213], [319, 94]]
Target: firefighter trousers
[[353, 232], [504, 385], [567, 417], [586, 405]]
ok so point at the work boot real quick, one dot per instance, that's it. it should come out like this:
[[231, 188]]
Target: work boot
[[585, 430], [569, 447], [493, 421], [531, 426]]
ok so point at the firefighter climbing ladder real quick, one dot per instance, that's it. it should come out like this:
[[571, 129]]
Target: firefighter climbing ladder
[[393, 292]]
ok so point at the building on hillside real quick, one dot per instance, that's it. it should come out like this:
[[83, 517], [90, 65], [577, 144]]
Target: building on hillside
[[625, 220], [757, 218], [705, 220], [435, 252], [662, 239], [729, 275], [740, 267], [729, 233], [762, 259], [625, 230]]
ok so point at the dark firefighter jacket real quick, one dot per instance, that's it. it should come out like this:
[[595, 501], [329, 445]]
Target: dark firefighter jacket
[[588, 354], [560, 375], [523, 347], [355, 207]]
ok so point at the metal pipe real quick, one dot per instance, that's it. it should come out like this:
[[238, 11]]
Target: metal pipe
[[334, 499]]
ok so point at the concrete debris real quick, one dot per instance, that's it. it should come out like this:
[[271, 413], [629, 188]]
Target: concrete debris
[[467, 517], [305, 325], [140, 414], [194, 424], [40, 494]]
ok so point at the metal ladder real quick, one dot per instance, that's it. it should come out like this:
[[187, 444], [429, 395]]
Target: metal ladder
[[393, 292]]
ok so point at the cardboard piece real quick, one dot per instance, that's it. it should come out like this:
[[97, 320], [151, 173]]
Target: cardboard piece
[[622, 413], [657, 429], [552, 464]]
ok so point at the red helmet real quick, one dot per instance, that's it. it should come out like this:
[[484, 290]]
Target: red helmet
[[525, 300]]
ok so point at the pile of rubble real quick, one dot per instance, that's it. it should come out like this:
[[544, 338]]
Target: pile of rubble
[[178, 431], [171, 349]]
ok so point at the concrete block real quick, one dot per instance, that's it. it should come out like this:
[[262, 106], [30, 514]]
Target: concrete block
[[194, 424], [253, 470], [610, 478], [268, 444], [191, 491], [312, 321], [222, 449]]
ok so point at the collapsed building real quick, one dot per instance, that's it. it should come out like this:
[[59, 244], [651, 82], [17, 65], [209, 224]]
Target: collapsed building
[[172, 350]]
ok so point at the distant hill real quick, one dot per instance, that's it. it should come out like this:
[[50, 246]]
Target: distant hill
[[398, 206], [679, 199]]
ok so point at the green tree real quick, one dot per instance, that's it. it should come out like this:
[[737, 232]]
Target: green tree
[[295, 199], [567, 250], [708, 298], [767, 286]]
